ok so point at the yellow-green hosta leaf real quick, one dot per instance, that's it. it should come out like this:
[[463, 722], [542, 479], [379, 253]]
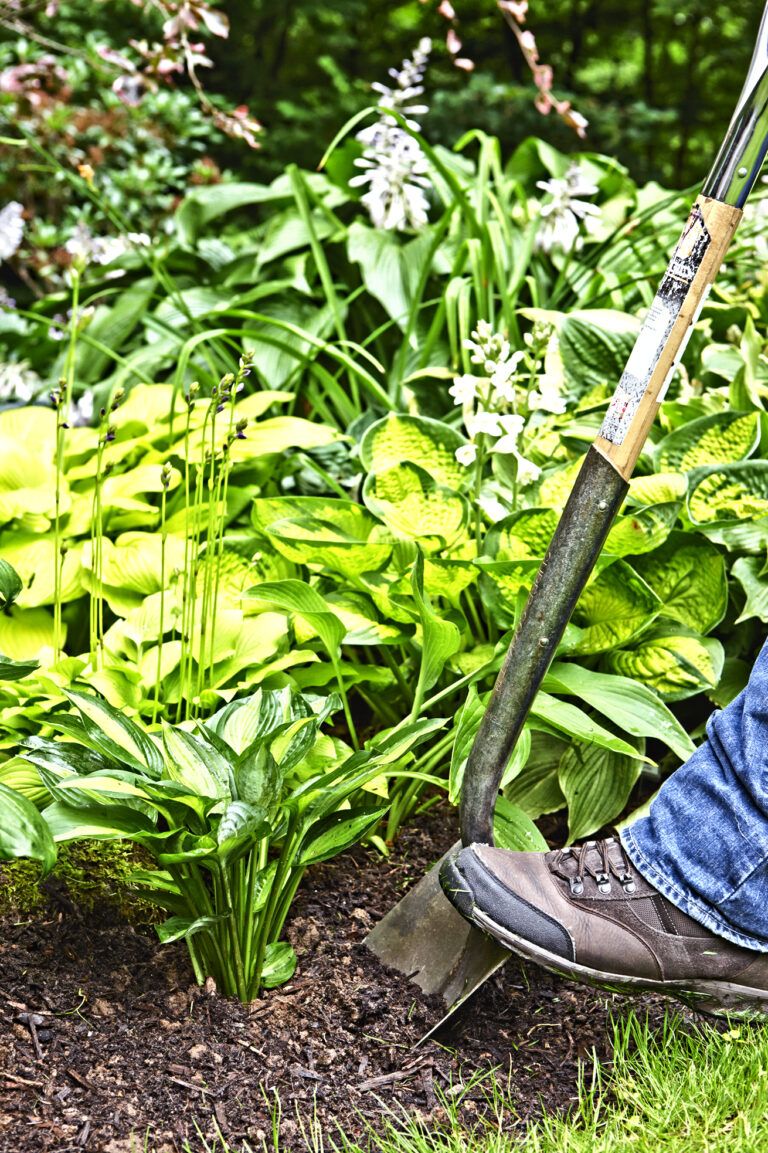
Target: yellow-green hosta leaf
[[127, 491], [503, 583], [448, 578], [642, 531], [688, 575], [24, 777], [26, 634], [134, 561], [414, 506], [359, 617], [297, 597], [596, 783], [677, 664], [614, 608], [33, 559], [719, 438], [276, 435], [735, 492], [27, 463], [335, 534], [431, 444], [120, 687], [659, 488], [556, 486], [258, 640]]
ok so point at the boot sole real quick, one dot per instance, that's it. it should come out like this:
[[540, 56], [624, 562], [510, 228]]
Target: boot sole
[[716, 998]]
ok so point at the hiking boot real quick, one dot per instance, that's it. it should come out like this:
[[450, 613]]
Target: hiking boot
[[587, 914]]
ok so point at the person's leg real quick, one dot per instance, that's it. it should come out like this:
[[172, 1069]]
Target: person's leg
[[680, 907], [704, 844]]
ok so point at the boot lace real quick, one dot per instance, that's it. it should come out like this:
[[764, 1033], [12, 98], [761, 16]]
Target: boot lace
[[598, 860]]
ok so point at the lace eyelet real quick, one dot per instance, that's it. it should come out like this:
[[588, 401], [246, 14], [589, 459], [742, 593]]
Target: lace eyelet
[[628, 884], [603, 883], [577, 886]]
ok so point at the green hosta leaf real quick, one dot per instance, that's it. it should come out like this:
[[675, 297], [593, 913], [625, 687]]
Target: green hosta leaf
[[180, 928], [521, 536], [335, 534], [734, 678], [614, 608], [659, 488], [631, 706], [10, 583], [536, 790], [337, 832], [677, 664], [748, 571], [23, 831], [279, 964], [391, 270], [642, 532], [294, 596], [16, 670], [576, 723], [739, 536], [688, 576], [23, 777], [596, 783], [717, 439], [513, 829], [736, 492], [428, 443], [467, 723], [195, 765], [112, 733], [440, 639], [595, 345], [414, 506]]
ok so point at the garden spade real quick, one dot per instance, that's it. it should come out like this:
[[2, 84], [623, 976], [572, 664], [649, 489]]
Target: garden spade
[[423, 936]]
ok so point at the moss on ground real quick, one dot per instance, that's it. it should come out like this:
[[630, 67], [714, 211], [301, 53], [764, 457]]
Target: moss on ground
[[89, 874]]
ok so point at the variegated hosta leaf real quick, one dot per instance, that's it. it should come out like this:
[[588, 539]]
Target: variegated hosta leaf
[[428, 443], [688, 576], [504, 586], [536, 789], [413, 505], [335, 534], [448, 578], [245, 721], [23, 832], [658, 488], [522, 535], [642, 531], [677, 664], [32, 556], [717, 439], [556, 486], [735, 492], [359, 617], [614, 608]]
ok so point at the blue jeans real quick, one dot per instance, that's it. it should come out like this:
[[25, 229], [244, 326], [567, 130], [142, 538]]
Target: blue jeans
[[704, 843]]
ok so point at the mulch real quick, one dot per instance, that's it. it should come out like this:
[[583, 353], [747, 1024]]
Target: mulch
[[106, 1043]]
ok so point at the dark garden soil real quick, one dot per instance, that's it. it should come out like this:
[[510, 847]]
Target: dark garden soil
[[107, 1045]]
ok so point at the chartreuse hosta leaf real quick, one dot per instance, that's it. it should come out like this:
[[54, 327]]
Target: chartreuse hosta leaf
[[658, 488], [23, 831], [522, 535], [596, 784], [32, 556], [335, 534], [615, 607], [26, 634], [642, 531], [27, 468], [688, 576], [735, 492], [428, 443], [297, 597], [633, 707], [672, 660], [413, 505], [720, 438]]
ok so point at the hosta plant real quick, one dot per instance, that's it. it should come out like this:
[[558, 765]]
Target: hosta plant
[[233, 812]]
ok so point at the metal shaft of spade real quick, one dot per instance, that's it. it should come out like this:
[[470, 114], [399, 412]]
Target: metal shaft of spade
[[603, 480]]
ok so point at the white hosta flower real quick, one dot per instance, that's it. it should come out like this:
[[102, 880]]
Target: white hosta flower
[[484, 423], [502, 379], [464, 389], [86, 248], [11, 229], [527, 471], [81, 411], [511, 427], [18, 381], [563, 215], [547, 398], [466, 454], [395, 167]]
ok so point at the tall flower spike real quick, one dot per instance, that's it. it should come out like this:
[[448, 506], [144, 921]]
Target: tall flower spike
[[394, 165]]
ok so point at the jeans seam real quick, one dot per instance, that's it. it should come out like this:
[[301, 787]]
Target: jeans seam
[[703, 913]]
